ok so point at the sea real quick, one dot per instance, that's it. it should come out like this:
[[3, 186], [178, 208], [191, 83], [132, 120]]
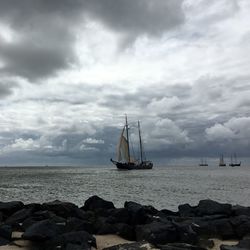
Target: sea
[[162, 187]]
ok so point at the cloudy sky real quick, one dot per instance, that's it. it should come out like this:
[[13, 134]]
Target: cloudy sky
[[71, 69]]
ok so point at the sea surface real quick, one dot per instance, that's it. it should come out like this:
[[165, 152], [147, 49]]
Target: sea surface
[[162, 187]]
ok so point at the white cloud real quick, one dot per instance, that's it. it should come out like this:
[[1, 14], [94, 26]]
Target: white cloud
[[219, 132], [235, 128], [93, 141]]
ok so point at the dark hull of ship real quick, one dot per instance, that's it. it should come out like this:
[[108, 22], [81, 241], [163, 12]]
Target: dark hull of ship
[[235, 164], [222, 165], [133, 166], [203, 165]]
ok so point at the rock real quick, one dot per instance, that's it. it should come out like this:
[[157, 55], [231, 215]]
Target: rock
[[245, 243], [206, 243], [75, 224], [35, 207], [71, 246], [76, 240], [186, 234], [131, 246], [125, 231], [186, 210], [241, 225], [40, 216], [205, 229], [137, 213], [19, 216], [102, 227], [62, 209], [169, 212], [239, 210], [150, 210], [224, 229], [96, 203], [220, 228], [226, 247], [157, 233], [180, 246], [9, 208], [5, 231], [119, 215], [4, 241], [41, 231], [210, 207]]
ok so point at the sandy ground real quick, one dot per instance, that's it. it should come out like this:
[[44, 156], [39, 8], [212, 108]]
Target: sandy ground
[[102, 241]]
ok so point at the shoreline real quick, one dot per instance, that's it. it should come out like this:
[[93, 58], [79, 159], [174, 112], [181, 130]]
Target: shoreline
[[99, 224]]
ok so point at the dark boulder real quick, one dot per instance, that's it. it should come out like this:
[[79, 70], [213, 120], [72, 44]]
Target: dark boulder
[[62, 209], [186, 234], [226, 247], [241, 225], [101, 226], [35, 207], [180, 246], [169, 212], [119, 215], [6, 231], [137, 213], [19, 216], [239, 210], [75, 224], [210, 207], [42, 230], [96, 203], [125, 231], [131, 246], [205, 229], [221, 228], [9, 208], [224, 229], [76, 240], [150, 210], [4, 241], [186, 210], [157, 233], [82, 246], [41, 216], [245, 243]]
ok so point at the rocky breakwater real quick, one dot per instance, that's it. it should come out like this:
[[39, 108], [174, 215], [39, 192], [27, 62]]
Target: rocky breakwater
[[63, 225]]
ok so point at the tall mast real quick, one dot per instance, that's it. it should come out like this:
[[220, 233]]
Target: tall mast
[[139, 129], [127, 137]]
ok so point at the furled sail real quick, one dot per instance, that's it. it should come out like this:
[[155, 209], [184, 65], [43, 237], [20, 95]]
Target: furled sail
[[122, 150]]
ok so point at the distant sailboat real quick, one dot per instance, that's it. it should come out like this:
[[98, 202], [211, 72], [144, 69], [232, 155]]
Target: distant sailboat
[[234, 162], [125, 161], [222, 163], [203, 163]]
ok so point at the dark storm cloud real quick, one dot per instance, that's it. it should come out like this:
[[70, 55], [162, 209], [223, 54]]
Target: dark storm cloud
[[151, 17], [44, 30], [6, 88]]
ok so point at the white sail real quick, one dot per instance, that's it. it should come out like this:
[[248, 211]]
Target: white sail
[[122, 150]]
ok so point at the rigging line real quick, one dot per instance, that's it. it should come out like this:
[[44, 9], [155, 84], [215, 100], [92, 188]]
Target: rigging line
[[132, 146]]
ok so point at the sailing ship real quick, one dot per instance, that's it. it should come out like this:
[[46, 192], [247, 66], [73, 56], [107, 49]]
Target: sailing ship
[[125, 161], [234, 162], [203, 163], [222, 163]]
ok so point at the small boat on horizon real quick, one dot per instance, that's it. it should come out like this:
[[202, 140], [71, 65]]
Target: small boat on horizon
[[222, 163], [125, 161], [234, 161], [203, 163]]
